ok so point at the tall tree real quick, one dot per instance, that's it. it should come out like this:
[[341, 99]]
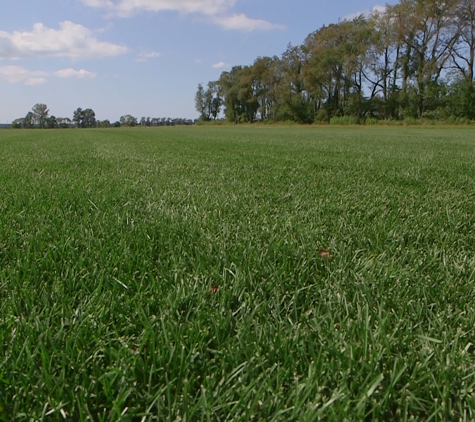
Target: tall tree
[[384, 61], [463, 52], [295, 100], [40, 113], [78, 117], [426, 30], [201, 104], [52, 122], [214, 100], [265, 83], [29, 120], [238, 88], [88, 118], [128, 120]]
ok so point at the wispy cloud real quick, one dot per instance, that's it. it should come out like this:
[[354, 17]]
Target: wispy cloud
[[219, 12], [220, 65], [77, 74], [243, 23], [18, 74], [145, 56], [367, 12], [70, 40], [128, 7]]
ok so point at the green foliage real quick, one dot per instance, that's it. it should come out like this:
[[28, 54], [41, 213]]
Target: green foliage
[[412, 121], [237, 273], [200, 103], [461, 99], [84, 118], [322, 116], [40, 115], [371, 121], [390, 65], [128, 120], [344, 120]]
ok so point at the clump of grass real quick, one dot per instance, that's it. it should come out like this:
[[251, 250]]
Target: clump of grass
[[237, 274]]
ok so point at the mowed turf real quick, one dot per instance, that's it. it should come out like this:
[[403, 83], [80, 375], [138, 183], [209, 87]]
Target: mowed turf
[[237, 273]]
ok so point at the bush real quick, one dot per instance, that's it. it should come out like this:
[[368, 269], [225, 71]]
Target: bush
[[371, 121], [454, 120], [411, 121], [322, 116], [345, 120]]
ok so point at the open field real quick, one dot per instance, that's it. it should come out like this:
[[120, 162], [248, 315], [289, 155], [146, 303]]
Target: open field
[[237, 273]]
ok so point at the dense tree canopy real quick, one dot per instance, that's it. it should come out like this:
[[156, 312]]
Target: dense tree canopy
[[413, 60]]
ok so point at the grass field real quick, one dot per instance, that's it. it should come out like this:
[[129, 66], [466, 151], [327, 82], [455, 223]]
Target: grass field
[[237, 273]]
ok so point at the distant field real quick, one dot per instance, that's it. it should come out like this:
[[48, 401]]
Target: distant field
[[237, 273]]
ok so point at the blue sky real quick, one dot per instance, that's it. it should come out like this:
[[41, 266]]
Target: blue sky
[[141, 57]]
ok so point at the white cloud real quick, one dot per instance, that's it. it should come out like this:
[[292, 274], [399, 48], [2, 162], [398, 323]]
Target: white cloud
[[144, 56], [98, 3], [70, 40], [379, 9], [217, 10], [18, 74], [72, 73], [244, 23], [128, 7], [376, 9], [220, 65], [35, 81]]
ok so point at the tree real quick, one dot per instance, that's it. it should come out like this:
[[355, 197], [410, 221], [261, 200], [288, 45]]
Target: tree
[[426, 30], [40, 115], [64, 122], [29, 120], [18, 123], [128, 120], [201, 103], [84, 118], [382, 71], [335, 67], [461, 99], [214, 100], [78, 117], [265, 83], [230, 84], [88, 118], [52, 123], [463, 52]]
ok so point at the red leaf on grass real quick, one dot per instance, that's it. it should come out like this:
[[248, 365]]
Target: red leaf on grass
[[324, 254]]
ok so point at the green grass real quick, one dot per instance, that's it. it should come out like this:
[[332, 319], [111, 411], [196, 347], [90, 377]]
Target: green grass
[[175, 274]]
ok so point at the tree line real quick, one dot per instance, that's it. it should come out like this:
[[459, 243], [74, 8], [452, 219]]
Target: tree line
[[413, 60], [39, 118]]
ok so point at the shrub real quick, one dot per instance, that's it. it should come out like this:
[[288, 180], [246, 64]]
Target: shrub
[[322, 116], [371, 121], [411, 121], [345, 120]]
